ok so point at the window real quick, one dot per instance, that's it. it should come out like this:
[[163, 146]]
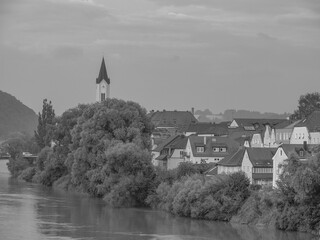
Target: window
[[223, 149], [215, 149], [200, 149], [280, 152], [181, 154], [301, 153], [103, 96]]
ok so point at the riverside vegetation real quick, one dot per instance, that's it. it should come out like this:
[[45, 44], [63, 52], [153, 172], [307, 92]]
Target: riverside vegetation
[[103, 150]]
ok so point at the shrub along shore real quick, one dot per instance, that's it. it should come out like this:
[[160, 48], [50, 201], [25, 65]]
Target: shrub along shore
[[103, 150]]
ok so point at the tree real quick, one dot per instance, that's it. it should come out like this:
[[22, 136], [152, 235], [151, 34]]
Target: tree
[[45, 127], [306, 105]]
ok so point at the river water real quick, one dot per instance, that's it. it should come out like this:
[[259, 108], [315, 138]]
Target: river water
[[29, 211]]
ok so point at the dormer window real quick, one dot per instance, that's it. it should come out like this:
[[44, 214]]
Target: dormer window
[[301, 153], [200, 149], [223, 149], [215, 149]]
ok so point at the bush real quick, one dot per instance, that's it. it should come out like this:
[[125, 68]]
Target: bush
[[28, 174], [216, 198]]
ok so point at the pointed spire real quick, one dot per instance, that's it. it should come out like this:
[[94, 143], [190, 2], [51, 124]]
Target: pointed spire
[[103, 73]]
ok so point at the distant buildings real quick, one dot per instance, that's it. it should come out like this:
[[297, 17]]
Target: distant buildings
[[102, 83], [258, 147]]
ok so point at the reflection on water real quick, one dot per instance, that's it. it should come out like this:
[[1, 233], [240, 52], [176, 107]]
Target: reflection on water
[[34, 212]]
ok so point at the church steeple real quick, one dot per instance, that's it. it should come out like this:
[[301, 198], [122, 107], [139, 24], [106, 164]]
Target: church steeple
[[103, 75], [102, 83]]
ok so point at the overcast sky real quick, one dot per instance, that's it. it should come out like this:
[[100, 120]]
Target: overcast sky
[[164, 54]]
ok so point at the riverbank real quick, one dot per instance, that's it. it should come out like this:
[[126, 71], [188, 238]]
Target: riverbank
[[44, 213]]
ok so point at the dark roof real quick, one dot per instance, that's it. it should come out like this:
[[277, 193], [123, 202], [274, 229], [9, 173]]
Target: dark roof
[[165, 143], [312, 122], [294, 149], [233, 159], [212, 142], [261, 157], [162, 157], [176, 119], [103, 75], [198, 127], [286, 124], [246, 122]]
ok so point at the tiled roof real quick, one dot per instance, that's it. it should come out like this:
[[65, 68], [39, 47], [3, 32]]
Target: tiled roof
[[209, 128], [212, 142], [312, 122], [103, 75], [162, 157], [174, 142], [243, 122], [233, 159], [261, 157], [287, 124], [176, 119], [294, 149], [165, 143]]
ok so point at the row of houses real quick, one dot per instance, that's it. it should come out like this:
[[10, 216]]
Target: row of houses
[[254, 146]]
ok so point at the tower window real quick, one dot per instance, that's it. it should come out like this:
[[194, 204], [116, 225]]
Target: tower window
[[103, 96]]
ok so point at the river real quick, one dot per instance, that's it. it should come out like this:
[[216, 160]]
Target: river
[[33, 212]]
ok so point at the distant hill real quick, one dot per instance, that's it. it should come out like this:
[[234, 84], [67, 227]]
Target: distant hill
[[15, 116]]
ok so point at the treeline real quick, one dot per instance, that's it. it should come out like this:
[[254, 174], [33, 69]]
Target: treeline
[[103, 150]]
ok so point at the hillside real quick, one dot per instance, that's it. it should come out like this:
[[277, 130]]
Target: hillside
[[15, 116]]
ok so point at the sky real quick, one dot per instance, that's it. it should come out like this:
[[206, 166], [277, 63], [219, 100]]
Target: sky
[[164, 54]]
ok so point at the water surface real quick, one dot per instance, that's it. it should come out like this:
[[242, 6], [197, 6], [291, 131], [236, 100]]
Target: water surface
[[29, 211]]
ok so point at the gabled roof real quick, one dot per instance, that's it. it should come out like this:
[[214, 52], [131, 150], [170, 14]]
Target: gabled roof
[[246, 122], [294, 149], [174, 142], [103, 75], [176, 119], [287, 124], [218, 129], [212, 142], [312, 122], [233, 159], [261, 157], [165, 143]]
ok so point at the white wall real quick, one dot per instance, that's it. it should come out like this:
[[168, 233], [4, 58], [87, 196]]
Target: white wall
[[315, 137], [256, 140], [299, 135], [247, 166], [278, 158], [102, 87]]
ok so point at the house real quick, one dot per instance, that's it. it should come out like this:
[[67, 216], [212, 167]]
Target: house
[[171, 153], [176, 120], [260, 131], [284, 152], [209, 149], [284, 131], [307, 130], [208, 129], [256, 163]]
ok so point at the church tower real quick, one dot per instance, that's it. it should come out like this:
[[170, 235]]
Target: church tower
[[103, 84]]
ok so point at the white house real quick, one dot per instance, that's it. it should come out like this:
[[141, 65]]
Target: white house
[[256, 163], [209, 149], [283, 153], [308, 130]]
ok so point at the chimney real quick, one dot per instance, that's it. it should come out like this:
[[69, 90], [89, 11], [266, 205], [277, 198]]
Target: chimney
[[305, 145], [192, 111]]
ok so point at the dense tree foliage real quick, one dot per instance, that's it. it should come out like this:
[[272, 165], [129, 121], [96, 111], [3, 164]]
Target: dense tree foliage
[[299, 186], [216, 198], [306, 105], [45, 127]]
